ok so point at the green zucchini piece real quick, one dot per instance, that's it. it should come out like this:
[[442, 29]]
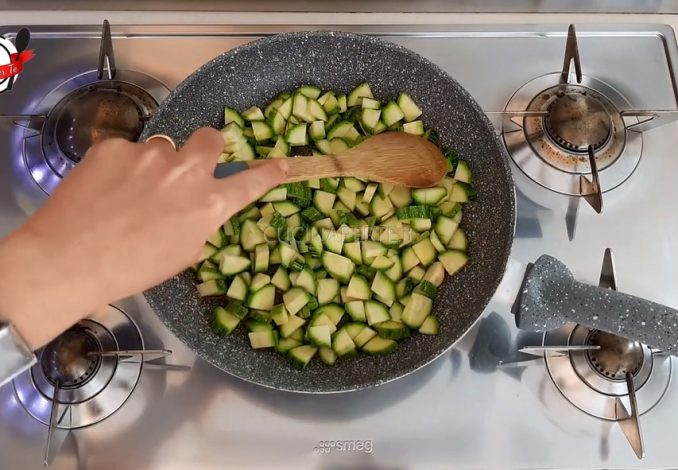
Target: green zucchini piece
[[223, 322], [378, 346], [302, 355], [392, 330]]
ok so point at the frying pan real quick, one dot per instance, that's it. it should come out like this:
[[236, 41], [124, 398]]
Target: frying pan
[[254, 74]]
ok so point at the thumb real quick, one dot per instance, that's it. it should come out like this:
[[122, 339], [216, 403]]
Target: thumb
[[248, 186]]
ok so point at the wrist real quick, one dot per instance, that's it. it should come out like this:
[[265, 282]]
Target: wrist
[[40, 292]]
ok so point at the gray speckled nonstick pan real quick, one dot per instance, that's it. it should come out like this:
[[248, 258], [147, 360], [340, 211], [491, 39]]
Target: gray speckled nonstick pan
[[254, 74]]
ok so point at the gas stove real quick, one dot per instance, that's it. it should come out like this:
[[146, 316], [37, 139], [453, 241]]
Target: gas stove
[[585, 115]]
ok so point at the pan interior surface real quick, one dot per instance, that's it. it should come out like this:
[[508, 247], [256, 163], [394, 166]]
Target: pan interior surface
[[253, 75]]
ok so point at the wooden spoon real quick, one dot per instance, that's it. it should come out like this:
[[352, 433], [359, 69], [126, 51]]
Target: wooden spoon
[[393, 157]]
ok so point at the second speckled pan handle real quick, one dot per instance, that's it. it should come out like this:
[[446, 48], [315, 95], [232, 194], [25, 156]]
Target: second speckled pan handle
[[551, 297]]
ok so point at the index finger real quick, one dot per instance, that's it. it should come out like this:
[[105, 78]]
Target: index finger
[[205, 144]]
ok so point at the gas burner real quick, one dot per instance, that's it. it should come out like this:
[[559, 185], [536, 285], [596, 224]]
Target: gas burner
[[551, 142], [86, 374], [577, 118], [84, 110], [594, 379], [73, 374], [94, 113], [604, 375]]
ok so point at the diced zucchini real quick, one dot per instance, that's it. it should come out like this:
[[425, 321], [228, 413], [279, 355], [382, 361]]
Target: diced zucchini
[[293, 324], [337, 266], [327, 355], [453, 260], [409, 108], [316, 111], [400, 196], [445, 228], [347, 197], [420, 225], [324, 201], [307, 281], [296, 135], [253, 114], [302, 355], [429, 196], [414, 127], [295, 299], [380, 206], [437, 244], [355, 97], [352, 251], [255, 325], [396, 311], [342, 343], [378, 345], [317, 130], [223, 322], [231, 115], [238, 289], [458, 241], [328, 289], [309, 91], [279, 314], [320, 318], [358, 288], [425, 251], [383, 287], [286, 344], [392, 113], [463, 172], [261, 256], [372, 249], [251, 235], [262, 131], [417, 273], [277, 122], [319, 335], [462, 192], [430, 326], [370, 118], [275, 194], [376, 312], [258, 281], [208, 250], [263, 298], [356, 310], [435, 274], [382, 263], [392, 330], [409, 259], [231, 264], [417, 309], [332, 240], [263, 339]]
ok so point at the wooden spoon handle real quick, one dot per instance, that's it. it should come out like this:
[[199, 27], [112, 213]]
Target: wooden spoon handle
[[305, 168]]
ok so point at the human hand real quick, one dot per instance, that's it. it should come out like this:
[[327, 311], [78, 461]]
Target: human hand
[[127, 218]]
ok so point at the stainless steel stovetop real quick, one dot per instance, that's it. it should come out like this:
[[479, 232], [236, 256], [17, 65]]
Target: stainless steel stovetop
[[473, 407]]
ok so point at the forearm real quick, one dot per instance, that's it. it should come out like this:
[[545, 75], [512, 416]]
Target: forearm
[[41, 291]]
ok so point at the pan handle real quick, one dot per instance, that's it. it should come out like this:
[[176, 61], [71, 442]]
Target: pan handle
[[550, 297]]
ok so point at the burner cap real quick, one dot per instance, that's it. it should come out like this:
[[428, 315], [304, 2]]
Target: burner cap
[[616, 356], [577, 120], [95, 113], [67, 359]]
